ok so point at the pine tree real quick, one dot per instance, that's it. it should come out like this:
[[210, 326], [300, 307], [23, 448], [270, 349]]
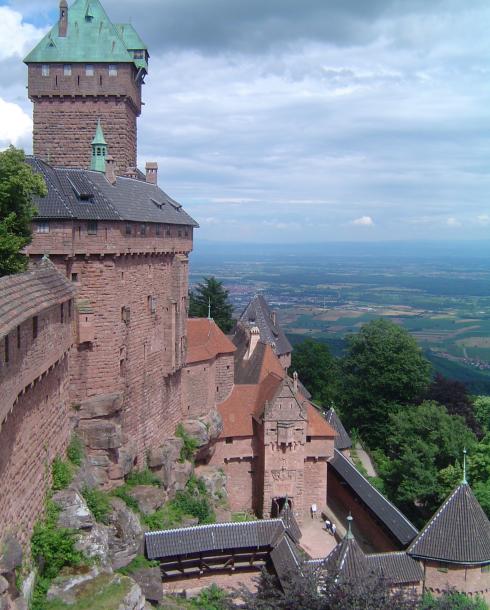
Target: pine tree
[[210, 297]]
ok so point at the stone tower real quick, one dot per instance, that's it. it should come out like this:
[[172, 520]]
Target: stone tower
[[86, 69]]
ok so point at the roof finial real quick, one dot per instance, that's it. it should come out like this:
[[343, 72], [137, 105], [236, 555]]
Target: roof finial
[[209, 308], [465, 482], [349, 535]]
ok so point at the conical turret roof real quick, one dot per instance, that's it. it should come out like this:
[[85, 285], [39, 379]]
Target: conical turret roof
[[459, 532], [347, 561], [99, 136]]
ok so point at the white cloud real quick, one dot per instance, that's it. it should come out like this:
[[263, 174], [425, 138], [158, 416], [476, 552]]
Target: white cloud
[[363, 221], [483, 219], [15, 124], [16, 37], [453, 222]]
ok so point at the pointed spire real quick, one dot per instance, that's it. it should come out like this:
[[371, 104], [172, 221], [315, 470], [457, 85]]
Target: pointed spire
[[465, 482], [99, 150], [349, 535]]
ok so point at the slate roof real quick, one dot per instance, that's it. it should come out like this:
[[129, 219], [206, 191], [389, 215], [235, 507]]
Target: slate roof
[[459, 532], [257, 313], [398, 568], [385, 511], [342, 440], [91, 38], [24, 295], [286, 558], [215, 537], [347, 561], [290, 523], [87, 195], [205, 340]]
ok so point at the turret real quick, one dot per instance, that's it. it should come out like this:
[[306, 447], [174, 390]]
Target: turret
[[99, 150], [63, 21]]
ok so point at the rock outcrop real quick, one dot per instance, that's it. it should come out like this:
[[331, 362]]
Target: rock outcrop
[[125, 535]]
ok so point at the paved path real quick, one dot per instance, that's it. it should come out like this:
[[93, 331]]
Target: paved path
[[315, 540]]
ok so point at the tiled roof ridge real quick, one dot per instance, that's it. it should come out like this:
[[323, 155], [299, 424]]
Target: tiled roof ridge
[[434, 518], [215, 526], [378, 492]]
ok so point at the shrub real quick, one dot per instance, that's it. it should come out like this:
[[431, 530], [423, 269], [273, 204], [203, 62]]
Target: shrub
[[190, 444], [52, 548], [142, 477], [98, 503], [62, 474], [75, 451], [140, 561], [212, 598]]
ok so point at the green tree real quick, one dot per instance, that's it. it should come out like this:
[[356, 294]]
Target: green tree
[[450, 600], [18, 184], [211, 292], [383, 368], [481, 406], [424, 448], [317, 370]]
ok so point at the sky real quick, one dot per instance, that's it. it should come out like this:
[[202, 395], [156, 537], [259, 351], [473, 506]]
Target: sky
[[289, 121]]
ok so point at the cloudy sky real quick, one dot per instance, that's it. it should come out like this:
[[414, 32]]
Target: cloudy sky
[[302, 120]]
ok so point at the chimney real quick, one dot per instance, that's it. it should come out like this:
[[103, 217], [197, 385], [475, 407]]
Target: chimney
[[295, 382], [254, 339], [110, 169], [131, 173], [63, 22], [152, 172]]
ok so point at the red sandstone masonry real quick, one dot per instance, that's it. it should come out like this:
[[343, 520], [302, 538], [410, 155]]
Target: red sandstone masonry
[[470, 580]]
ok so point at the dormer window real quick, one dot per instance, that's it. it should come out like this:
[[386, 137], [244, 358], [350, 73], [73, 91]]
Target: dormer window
[[45, 70], [89, 70], [139, 54], [112, 70], [67, 70]]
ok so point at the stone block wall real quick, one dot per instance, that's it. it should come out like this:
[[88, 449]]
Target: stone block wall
[[37, 429], [224, 377], [315, 473], [198, 388], [29, 356], [472, 580]]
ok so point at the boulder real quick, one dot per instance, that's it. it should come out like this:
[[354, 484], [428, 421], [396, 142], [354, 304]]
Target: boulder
[[150, 582], [75, 513], [100, 406], [125, 535], [134, 599], [214, 424], [66, 586], [149, 497], [180, 474], [215, 480], [167, 455], [11, 554], [4, 585], [100, 434], [20, 604], [94, 543], [198, 430], [125, 459]]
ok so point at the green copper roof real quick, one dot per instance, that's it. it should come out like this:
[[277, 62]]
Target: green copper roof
[[91, 38], [99, 135], [133, 42]]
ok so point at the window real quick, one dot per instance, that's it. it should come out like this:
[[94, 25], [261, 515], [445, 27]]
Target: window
[[308, 439], [74, 277], [89, 70], [34, 327], [7, 354], [152, 304], [62, 313], [18, 337], [42, 226], [128, 229], [69, 308], [45, 70], [67, 70], [92, 227], [229, 440], [139, 54], [143, 229], [157, 230], [112, 70]]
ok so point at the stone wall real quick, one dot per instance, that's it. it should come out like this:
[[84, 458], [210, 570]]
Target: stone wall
[[224, 377], [206, 384], [66, 109], [315, 483], [472, 580], [37, 429]]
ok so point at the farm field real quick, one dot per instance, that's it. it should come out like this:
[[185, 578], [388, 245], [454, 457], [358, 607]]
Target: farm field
[[442, 298]]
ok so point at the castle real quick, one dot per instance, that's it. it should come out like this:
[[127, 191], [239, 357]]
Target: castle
[[96, 337]]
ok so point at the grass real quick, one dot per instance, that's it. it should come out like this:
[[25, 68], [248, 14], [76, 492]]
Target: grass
[[62, 473], [105, 592], [98, 503], [190, 445], [241, 517], [139, 562], [75, 451]]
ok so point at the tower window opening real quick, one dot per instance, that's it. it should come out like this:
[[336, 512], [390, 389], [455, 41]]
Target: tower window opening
[[7, 354], [99, 151], [34, 327], [128, 229], [112, 70], [45, 70], [89, 70], [67, 70], [18, 337]]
